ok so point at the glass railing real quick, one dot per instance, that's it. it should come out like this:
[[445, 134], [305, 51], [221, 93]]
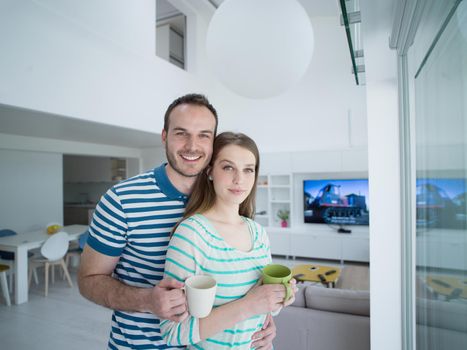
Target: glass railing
[[351, 20]]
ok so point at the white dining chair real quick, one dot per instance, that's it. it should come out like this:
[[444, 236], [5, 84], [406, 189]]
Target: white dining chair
[[53, 251], [4, 284], [76, 248]]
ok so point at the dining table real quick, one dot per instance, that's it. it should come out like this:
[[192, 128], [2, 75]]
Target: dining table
[[21, 243]]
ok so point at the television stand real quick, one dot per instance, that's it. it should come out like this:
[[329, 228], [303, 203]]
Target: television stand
[[319, 242], [343, 230]]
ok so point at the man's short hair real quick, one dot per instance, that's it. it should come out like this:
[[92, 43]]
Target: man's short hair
[[190, 99]]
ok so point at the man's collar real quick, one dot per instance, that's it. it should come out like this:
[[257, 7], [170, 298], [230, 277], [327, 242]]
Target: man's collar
[[160, 173]]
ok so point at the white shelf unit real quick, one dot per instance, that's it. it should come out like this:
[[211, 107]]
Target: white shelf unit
[[274, 193]]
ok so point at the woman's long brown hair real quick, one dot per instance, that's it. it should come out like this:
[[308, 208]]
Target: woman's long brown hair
[[203, 196]]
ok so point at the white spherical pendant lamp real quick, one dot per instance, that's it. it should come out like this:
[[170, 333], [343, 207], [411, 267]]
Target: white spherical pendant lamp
[[260, 48]]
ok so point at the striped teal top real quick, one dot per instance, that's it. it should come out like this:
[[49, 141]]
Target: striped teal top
[[197, 249], [133, 220]]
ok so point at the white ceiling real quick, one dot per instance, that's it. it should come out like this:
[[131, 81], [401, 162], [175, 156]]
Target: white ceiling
[[24, 122], [321, 8], [164, 9], [167, 14]]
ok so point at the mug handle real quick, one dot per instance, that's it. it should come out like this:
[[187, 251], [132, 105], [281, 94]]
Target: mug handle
[[288, 289]]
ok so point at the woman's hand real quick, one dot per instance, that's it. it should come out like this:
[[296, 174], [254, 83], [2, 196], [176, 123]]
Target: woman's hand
[[293, 286], [264, 298]]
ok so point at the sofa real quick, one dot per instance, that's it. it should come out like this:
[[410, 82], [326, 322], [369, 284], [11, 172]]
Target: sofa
[[325, 319], [441, 324], [339, 318]]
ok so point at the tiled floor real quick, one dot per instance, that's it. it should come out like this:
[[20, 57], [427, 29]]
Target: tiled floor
[[64, 319]]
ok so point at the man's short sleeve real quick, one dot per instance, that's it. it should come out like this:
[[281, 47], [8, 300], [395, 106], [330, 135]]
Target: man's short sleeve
[[108, 229]]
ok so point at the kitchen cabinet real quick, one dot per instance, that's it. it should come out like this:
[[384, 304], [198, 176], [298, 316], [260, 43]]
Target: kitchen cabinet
[[77, 169], [78, 214]]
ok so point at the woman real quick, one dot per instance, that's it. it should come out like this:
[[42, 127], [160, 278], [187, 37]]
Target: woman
[[217, 237]]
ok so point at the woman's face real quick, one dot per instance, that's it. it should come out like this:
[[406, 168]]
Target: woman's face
[[233, 174]]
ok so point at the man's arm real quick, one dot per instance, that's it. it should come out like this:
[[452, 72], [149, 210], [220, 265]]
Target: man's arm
[[96, 283]]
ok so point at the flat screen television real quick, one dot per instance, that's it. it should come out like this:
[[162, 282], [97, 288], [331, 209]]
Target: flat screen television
[[441, 203], [336, 201]]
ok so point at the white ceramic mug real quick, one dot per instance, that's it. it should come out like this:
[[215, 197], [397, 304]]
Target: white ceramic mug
[[200, 293]]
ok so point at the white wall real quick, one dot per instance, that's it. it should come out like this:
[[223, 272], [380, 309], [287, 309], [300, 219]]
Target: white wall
[[72, 59], [384, 176], [152, 157], [131, 27], [162, 42], [31, 177], [31, 184]]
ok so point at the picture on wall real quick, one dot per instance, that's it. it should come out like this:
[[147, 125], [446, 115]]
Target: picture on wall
[[336, 201]]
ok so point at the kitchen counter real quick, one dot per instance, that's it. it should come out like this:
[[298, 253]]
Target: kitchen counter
[[81, 205]]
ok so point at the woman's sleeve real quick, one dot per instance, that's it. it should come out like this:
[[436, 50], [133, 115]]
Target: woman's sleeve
[[264, 238], [181, 263]]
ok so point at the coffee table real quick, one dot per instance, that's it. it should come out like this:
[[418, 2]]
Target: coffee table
[[327, 275]]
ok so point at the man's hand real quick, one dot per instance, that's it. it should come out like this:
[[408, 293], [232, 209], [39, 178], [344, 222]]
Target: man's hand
[[263, 338], [97, 284], [168, 300]]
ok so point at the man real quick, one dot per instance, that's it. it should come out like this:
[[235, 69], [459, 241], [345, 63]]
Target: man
[[123, 262]]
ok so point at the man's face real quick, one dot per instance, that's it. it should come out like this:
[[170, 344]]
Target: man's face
[[189, 139]]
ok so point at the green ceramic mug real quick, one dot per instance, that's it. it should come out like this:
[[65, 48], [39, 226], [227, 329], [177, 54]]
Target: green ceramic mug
[[278, 274]]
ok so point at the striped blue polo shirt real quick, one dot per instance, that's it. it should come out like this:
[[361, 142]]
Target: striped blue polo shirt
[[133, 220]]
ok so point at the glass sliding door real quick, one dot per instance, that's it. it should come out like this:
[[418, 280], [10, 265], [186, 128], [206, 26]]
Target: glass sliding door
[[440, 112]]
